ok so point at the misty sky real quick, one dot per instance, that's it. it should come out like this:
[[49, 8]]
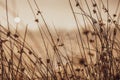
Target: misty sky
[[55, 12]]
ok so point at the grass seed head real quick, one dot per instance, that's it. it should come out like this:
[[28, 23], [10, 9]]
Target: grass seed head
[[94, 5], [77, 69], [114, 15], [77, 4], [8, 34], [15, 35], [48, 60], [82, 61], [36, 20], [86, 32]]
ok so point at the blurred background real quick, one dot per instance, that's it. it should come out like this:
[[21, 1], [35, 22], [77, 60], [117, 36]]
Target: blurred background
[[55, 12]]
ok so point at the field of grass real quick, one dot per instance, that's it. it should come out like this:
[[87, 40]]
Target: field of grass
[[83, 53]]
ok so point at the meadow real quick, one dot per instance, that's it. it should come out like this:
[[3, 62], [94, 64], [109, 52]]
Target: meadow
[[83, 53]]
